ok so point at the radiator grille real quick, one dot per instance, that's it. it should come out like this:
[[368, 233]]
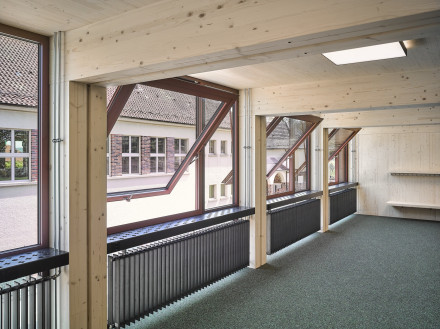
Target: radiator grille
[[144, 279], [26, 303], [292, 223], [342, 204]]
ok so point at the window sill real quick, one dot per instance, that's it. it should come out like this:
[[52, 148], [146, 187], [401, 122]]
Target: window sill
[[292, 198], [17, 183], [137, 237], [17, 266], [342, 186], [137, 176]]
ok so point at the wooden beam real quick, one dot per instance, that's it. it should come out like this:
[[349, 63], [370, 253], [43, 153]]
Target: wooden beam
[[325, 200], [397, 117], [416, 89], [97, 207], [78, 241], [87, 206], [257, 255], [152, 42]]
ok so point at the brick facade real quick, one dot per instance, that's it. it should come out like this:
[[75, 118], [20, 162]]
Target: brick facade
[[116, 155], [145, 155], [169, 156], [34, 155]]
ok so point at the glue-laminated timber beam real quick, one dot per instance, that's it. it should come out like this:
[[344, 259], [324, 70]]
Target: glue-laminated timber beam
[[414, 89], [174, 38]]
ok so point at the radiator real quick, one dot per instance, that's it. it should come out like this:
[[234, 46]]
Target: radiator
[[142, 280], [342, 204], [288, 224], [26, 303]]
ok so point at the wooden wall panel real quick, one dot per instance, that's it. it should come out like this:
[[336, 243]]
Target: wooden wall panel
[[408, 148]]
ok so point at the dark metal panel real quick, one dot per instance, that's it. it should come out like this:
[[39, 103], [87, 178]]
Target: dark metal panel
[[342, 204]]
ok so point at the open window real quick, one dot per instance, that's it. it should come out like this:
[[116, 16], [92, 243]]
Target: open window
[[24, 142], [288, 153], [177, 126], [338, 140]]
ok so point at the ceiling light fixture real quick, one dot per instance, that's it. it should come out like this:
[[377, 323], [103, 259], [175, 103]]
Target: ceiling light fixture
[[367, 54]]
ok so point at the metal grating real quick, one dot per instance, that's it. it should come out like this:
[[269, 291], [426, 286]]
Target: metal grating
[[286, 225], [342, 204], [26, 303], [144, 279]]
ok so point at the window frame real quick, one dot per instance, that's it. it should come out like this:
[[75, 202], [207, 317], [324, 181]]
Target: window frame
[[201, 89], [289, 155], [211, 147], [43, 136], [223, 150], [158, 155], [131, 155], [180, 156]]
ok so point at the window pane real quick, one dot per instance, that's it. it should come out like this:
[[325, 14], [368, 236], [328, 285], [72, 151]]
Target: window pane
[[21, 168], [332, 170], [341, 165], [135, 165], [153, 144], [5, 169], [337, 140], [21, 141], [223, 147], [176, 146], [279, 181], [183, 146], [161, 145], [5, 141], [107, 167], [134, 144], [125, 165], [153, 164], [160, 164], [218, 170], [125, 144], [176, 163], [222, 190], [301, 176]]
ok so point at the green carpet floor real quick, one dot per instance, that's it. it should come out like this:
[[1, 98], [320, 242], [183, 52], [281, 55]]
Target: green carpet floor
[[366, 272]]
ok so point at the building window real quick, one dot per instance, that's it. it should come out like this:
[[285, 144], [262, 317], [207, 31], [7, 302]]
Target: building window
[[212, 194], [108, 154], [157, 155], [223, 147], [211, 149], [130, 155], [180, 150], [14, 155], [24, 143], [223, 190]]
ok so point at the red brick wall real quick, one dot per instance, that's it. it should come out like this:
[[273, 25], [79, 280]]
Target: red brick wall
[[116, 155], [34, 155], [145, 155], [169, 155]]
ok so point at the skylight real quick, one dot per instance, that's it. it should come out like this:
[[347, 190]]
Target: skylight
[[367, 54]]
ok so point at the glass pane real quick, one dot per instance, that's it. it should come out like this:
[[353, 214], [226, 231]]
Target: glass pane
[[107, 167], [135, 165], [176, 146], [301, 176], [183, 146], [153, 164], [341, 166], [134, 144], [332, 170], [125, 144], [125, 165], [335, 142], [210, 108], [5, 141], [176, 163], [279, 181], [19, 220], [153, 145], [218, 169], [21, 141], [5, 169], [160, 164], [223, 190], [161, 145], [21, 168]]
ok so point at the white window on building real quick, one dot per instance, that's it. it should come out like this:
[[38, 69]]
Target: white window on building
[[180, 150], [211, 147], [222, 190], [130, 155], [14, 155], [212, 194], [157, 155], [223, 147]]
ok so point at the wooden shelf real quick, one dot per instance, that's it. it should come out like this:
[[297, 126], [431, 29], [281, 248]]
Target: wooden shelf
[[414, 205], [414, 173]]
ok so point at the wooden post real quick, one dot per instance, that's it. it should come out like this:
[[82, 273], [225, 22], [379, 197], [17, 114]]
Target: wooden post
[[257, 255], [325, 201], [88, 218]]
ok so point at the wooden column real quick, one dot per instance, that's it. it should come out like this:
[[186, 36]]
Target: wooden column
[[325, 201], [87, 214], [257, 255]]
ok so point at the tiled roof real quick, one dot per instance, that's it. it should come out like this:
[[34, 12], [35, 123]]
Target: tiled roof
[[18, 72], [149, 103]]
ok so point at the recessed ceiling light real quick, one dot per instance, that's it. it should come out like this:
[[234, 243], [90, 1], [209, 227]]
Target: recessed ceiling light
[[366, 54]]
